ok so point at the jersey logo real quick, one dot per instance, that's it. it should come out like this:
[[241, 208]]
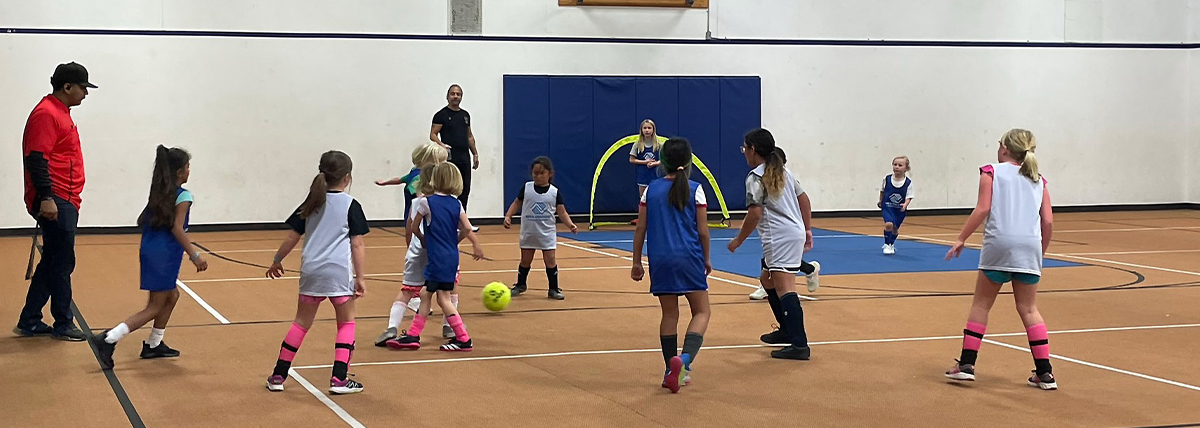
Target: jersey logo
[[896, 198], [540, 208]]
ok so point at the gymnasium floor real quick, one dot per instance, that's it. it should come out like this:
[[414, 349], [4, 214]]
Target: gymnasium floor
[[1121, 308]]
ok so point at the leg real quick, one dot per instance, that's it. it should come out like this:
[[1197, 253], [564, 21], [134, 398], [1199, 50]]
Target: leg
[[343, 347], [105, 343], [668, 336], [981, 304], [780, 336], [701, 312], [1035, 326], [461, 340], [465, 169], [62, 268], [552, 274], [154, 347], [406, 301], [164, 315], [523, 271], [306, 312], [641, 192]]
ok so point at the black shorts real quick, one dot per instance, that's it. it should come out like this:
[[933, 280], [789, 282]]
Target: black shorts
[[788, 269], [436, 286]]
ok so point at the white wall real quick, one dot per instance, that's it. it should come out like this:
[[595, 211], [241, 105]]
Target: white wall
[[256, 113]]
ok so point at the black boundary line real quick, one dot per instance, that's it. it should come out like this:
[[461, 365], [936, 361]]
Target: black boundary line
[[460, 250], [130, 411], [1197, 424], [607, 40]]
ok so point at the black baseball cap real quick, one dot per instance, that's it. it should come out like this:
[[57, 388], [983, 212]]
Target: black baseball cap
[[71, 72]]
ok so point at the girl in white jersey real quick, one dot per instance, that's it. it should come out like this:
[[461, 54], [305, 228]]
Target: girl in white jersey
[[781, 216], [538, 201], [1015, 202]]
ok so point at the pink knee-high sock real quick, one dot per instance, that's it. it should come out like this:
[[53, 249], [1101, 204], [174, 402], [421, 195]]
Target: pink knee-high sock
[[1039, 341], [973, 336], [287, 351], [460, 330], [343, 349], [418, 324]]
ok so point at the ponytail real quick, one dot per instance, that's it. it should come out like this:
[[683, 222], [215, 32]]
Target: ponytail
[[677, 159], [773, 175], [316, 196], [1029, 167], [1021, 144], [164, 184], [334, 168], [680, 188]]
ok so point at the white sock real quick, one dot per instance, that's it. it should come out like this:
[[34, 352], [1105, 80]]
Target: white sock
[[396, 317], [156, 336], [414, 304], [116, 333], [454, 300]]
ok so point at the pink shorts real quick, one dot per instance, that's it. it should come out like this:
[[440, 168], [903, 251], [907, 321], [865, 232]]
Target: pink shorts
[[336, 300]]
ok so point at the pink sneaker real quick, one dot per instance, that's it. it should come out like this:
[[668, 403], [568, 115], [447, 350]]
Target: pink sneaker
[[275, 383], [344, 386]]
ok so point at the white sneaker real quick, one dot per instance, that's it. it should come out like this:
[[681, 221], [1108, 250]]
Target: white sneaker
[[814, 279], [759, 294], [889, 249], [475, 229]]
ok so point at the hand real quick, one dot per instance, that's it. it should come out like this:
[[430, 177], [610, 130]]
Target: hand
[[638, 272], [707, 268], [475, 162], [574, 228], [733, 245], [381, 182], [879, 204], [955, 250], [48, 210], [275, 271], [201, 264], [808, 240], [360, 287], [477, 252], [904, 208], [507, 222], [652, 164]]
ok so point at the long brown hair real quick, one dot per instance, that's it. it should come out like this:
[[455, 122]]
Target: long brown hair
[[164, 187], [677, 159], [763, 143], [334, 168]]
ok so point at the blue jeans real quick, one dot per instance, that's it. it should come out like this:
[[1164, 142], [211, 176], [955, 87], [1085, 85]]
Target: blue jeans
[[52, 278]]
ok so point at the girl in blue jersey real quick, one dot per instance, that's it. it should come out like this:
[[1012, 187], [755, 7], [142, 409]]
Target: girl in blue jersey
[[645, 155], [677, 208], [894, 197]]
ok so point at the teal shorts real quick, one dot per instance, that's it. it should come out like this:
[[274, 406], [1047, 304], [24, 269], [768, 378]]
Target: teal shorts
[[1001, 277]]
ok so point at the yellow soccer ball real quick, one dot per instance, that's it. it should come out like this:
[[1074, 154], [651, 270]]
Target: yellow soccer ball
[[496, 296]]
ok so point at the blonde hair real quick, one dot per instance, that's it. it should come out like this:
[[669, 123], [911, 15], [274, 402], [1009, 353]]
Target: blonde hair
[[907, 163], [445, 178], [641, 141], [1021, 144], [425, 157]]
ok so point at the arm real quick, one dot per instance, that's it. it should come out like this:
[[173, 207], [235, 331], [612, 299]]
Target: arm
[[464, 224], [39, 140], [702, 227], [390, 182], [983, 207], [806, 215], [289, 243], [181, 211], [904, 206], [512, 210], [433, 134], [414, 226], [358, 259], [880, 203], [754, 214], [634, 160], [639, 239], [471, 145], [566, 218], [1047, 219]]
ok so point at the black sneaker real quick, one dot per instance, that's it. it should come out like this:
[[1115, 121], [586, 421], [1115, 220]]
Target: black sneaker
[[160, 351], [791, 352], [405, 342], [454, 345], [39, 329], [518, 289], [776, 337], [69, 333], [104, 350], [555, 294]]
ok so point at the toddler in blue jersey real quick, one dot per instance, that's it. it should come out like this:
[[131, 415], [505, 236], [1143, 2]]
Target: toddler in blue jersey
[[894, 197]]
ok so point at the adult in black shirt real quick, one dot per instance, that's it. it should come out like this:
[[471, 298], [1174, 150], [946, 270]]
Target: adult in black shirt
[[452, 129]]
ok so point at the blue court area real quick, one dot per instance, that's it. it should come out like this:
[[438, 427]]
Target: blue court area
[[839, 253]]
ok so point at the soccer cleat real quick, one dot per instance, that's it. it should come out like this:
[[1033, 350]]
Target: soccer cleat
[[759, 294], [776, 337], [454, 345], [791, 352], [275, 383], [104, 350], [344, 386], [814, 279], [961, 371], [160, 351], [1045, 381], [405, 342], [387, 335]]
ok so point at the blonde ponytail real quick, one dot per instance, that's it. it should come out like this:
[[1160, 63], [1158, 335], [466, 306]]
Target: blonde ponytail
[[1021, 144]]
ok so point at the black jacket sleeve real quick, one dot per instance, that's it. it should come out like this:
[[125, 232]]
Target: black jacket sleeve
[[39, 174]]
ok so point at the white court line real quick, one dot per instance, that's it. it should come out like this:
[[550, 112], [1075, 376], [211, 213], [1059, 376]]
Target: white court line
[[342, 413], [195, 296], [369, 275], [922, 237], [1102, 367], [752, 238], [272, 250], [1118, 253], [1138, 229], [837, 342]]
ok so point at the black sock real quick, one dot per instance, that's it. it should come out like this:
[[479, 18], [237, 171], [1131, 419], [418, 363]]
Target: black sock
[[670, 345], [807, 268], [281, 368], [968, 357], [552, 276], [1042, 366], [793, 316], [522, 274], [776, 308], [691, 345]]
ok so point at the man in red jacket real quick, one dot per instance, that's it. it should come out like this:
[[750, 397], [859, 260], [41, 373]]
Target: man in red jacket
[[54, 179]]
